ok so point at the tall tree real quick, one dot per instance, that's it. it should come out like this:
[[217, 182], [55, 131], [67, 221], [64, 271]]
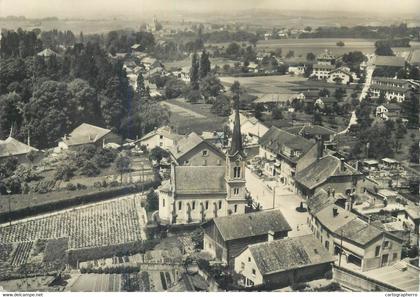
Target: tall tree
[[205, 66], [48, 115], [141, 89], [194, 72]]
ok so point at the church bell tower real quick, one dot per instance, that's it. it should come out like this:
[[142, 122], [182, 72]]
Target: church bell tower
[[235, 170]]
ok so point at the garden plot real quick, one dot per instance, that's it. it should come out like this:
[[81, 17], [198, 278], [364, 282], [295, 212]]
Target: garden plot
[[112, 222]]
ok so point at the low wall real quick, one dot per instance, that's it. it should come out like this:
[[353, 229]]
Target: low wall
[[358, 282]]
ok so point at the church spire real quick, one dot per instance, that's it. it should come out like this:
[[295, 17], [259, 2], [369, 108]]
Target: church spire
[[236, 144]]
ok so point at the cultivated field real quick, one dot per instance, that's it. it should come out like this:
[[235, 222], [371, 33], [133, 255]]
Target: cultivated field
[[316, 45], [108, 223], [265, 84], [97, 283], [186, 117]]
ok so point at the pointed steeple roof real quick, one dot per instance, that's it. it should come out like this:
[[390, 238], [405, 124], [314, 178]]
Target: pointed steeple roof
[[236, 144]]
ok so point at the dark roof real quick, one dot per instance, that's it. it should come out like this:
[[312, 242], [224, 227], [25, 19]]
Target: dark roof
[[392, 106], [251, 224], [199, 179], [13, 147], [84, 134], [236, 144], [390, 61], [311, 94], [388, 88], [319, 200], [310, 130], [276, 138], [390, 80], [319, 171], [359, 231], [290, 253]]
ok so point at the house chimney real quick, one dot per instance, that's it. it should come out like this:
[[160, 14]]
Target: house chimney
[[335, 211], [320, 147], [270, 235], [342, 165]]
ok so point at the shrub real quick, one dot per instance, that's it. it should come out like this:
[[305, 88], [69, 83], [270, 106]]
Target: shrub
[[332, 287], [89, 169], [70, 187], [299, 286], [328, 274]]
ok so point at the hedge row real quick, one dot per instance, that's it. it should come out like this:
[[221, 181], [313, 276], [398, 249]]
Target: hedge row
[[95, 253], [77, 200]]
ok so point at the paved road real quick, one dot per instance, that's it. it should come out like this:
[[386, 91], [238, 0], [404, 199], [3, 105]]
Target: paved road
[[275, 195], [369, 72]]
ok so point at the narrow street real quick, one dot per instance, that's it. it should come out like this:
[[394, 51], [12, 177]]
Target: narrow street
[[369, 72]]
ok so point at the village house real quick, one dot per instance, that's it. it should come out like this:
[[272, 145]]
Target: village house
[[315, 132], [322, 71], [193, 150], [328, 172], [388, 111], [361, 245], [162, 137], [46, 53], [136, 47], [13, 148], [86, 134], [198, 192], [286, 154], [252, 129], [391, 62], [341, 75], [216, 138], [326, 58], [369, 165], [280, 263], [397, 89], [226, 237], [390, 164]]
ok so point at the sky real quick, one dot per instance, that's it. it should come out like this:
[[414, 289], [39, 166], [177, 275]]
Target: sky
[[101, 8]]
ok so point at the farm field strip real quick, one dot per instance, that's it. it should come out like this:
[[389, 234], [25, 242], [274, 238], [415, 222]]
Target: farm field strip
[[107, 223]]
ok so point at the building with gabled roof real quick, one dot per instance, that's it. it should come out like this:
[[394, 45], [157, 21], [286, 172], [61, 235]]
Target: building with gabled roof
[[388, 111], [286, 153], [47, 53], [225, 237], [193, 150], [392, 88], [162, 137], [280, 263], [87, 134], [251, 128], [327, 172], [200, 188], [13, 148], [361, 244], [341, 75], [389, 61]]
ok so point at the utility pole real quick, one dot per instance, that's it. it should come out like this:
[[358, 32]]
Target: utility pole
[[10, 206], [341, 248]]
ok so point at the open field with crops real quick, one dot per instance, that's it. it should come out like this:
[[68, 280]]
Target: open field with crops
[[265, 84], [108, 223], [186, 118]]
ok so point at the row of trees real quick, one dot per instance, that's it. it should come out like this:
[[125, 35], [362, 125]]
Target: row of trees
[[46, 97]]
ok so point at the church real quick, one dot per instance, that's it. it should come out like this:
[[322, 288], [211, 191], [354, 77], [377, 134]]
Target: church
[[196, 194]]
